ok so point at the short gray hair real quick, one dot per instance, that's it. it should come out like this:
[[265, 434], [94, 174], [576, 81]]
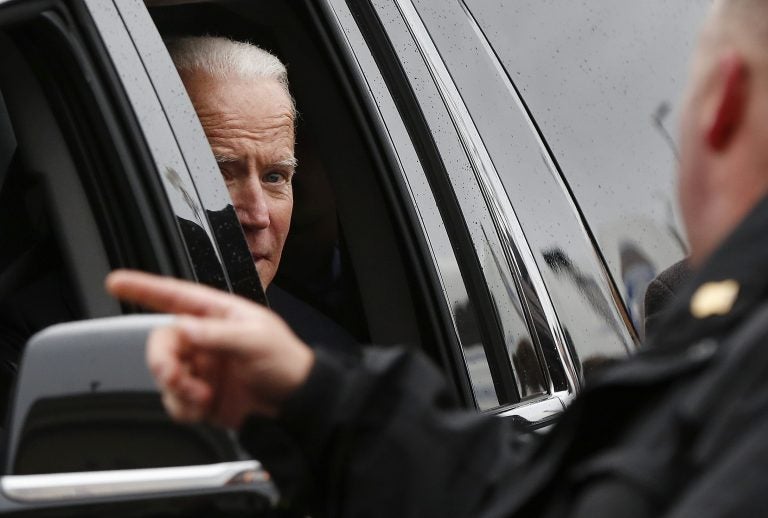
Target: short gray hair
[[223, 58]]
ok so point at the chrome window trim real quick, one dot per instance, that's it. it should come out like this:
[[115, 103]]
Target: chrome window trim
[[499, 206], [61, 487], [537, 411], [422, 198]]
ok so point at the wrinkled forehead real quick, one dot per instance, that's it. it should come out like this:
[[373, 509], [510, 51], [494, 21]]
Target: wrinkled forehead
[[252, 105], [237, 94]]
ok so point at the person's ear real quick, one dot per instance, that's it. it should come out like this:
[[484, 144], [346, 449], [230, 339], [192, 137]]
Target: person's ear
[[730, 103]]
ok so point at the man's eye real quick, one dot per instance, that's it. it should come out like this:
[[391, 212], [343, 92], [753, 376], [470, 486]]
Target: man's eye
[[274, 177]]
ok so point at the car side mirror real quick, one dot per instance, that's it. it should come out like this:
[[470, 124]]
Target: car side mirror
[[86, 402]]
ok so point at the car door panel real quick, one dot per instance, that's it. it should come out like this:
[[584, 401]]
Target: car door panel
[[81, 401]]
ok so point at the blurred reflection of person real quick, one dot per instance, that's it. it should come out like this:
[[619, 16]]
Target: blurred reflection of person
[[636, 272]]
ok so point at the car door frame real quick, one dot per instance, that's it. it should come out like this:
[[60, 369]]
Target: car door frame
[[372, 61], [143, 121]]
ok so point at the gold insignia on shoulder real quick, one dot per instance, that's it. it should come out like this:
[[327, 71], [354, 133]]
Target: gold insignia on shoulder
[[714, 298]]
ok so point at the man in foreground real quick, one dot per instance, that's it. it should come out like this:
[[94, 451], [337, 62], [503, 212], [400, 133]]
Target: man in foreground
[[681, 429]]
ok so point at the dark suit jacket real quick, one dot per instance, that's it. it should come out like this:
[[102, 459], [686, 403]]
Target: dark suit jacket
[[309, 324]]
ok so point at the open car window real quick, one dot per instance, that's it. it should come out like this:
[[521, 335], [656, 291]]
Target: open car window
[[346, 254]]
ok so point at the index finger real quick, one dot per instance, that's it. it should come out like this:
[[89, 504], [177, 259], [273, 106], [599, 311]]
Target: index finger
[[170, 295]]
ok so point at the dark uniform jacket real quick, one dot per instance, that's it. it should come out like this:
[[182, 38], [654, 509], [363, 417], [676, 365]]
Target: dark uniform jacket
[[661, 292], [680, 429]]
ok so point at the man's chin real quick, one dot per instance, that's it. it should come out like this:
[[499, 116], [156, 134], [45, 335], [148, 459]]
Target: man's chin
[[265, 270]]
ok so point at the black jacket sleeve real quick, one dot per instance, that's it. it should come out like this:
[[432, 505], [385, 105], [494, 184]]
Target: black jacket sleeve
[[380, 436], [735, 482]]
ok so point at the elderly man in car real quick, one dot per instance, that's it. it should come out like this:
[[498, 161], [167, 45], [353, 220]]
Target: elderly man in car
[[241, 96], [680, 429], [240, 93]]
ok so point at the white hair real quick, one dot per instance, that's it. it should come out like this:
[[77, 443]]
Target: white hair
[[224, 58]]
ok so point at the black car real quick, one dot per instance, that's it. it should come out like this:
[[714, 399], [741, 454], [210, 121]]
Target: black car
[[501, 175]]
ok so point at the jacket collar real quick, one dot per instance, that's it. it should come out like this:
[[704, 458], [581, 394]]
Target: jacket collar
[[685, 342], [743, 258]]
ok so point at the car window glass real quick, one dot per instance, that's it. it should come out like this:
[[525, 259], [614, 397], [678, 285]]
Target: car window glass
[[588, 309], [520, 350], [193, 173], [603, 82]]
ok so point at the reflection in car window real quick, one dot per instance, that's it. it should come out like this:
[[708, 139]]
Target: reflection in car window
[[584, 317], [602, 80], [516, 368]]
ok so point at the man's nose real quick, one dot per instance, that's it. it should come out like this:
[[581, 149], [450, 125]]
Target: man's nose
[[251, 202]]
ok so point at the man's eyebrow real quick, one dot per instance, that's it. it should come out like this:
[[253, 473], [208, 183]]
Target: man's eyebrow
[[224, 159], [287, 163]]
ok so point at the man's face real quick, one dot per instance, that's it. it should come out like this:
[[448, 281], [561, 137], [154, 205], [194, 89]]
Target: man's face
[[695, 189], [250, 127], [689, 181]]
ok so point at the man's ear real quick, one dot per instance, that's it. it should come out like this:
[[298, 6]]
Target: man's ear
[[731, 101]]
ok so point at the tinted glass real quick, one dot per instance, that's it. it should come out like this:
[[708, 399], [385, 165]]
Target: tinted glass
[[518, 364], [572, 274], [216, 216], [602, 80]]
